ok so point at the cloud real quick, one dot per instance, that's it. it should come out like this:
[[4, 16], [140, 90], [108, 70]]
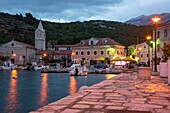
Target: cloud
[[80, 10]]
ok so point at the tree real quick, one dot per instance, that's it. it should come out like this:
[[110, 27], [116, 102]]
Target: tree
[[166, 52], [29, 15]]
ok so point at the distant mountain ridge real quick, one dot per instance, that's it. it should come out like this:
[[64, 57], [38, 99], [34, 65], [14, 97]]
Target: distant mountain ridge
[[146, 20]]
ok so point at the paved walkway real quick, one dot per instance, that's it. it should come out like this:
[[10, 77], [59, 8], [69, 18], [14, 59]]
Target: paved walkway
[[124, 93]]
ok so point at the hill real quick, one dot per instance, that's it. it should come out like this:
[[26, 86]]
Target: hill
[[146, 20], [22, 28]]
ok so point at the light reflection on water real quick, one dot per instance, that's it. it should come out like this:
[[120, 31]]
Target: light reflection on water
[[12, 94], [73, 86], [108, 76], [43, 89], [24, 91]]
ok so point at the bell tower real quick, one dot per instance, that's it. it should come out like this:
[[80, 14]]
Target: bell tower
[[40, 37]]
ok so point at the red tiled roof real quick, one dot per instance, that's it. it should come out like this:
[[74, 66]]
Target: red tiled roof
[[55, 52], [26, 45], [63, 45], [99, 43]]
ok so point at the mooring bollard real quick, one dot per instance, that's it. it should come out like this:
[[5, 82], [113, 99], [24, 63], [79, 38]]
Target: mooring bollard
[[144, 73]]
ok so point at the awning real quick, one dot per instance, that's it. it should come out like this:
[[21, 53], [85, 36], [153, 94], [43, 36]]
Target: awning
[[128, 58], [117, 59]]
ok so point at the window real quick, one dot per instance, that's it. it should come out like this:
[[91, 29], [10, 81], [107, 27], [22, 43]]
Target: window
[[101, 52], [144, 46], [77, 53], [91, 43], [118, 52], [108, 52], [158, 34], [141, 55], [56, 48], [12, 44], [88, 52], [82, 42], [165, 32], [12, 52], [82, 53], [147, 55], [95, 52], [104, 41]]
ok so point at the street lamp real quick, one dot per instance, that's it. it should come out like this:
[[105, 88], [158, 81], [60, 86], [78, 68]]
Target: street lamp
[[73, 56], [148, 38], [155, 21]]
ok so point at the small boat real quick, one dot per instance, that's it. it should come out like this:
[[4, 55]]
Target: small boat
[[78, 70]]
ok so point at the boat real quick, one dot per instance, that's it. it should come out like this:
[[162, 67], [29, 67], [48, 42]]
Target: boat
[[81, 70], [7, 67]]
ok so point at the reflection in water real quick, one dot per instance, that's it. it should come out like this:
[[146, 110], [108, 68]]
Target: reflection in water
[[108, 76], [72, 88], [12, 94], [43, 90]]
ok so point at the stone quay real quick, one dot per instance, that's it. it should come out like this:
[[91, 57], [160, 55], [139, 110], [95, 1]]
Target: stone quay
[[124, 93]]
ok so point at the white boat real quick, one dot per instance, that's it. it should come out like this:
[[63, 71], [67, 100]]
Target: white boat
[[82, 71], [7, 67]]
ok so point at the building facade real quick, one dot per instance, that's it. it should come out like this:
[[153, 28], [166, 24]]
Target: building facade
[[19, 53], [162, 36], [144, 53], [97, 49], [40, 37]]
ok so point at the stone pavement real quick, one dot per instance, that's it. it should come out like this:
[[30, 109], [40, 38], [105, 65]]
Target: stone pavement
[[124, 93]]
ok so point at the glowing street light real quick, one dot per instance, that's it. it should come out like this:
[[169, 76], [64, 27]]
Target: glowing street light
[[73, 55], [148, 39], [14, 54], [155, 21], [45, 55]]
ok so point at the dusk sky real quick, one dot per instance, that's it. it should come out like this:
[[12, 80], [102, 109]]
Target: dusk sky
[[84, 10]]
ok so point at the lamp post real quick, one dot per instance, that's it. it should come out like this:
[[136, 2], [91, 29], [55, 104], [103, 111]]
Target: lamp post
[[155, 21], [148, 38]]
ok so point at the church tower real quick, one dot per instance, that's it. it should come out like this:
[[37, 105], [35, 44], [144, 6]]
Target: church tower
[[40, 37]]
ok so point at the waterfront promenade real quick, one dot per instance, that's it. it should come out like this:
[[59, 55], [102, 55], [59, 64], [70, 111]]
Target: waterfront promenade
[[125, 93]]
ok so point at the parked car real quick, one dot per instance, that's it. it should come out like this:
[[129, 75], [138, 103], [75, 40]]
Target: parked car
[[142, 64], [132, 64]]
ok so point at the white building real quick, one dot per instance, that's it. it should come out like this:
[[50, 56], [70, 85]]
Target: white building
[[143, 51], [162, 36]]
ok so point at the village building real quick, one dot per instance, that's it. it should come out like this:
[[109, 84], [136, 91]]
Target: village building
[[98, 49], [18, 52], [144, 53], [162, 37]]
